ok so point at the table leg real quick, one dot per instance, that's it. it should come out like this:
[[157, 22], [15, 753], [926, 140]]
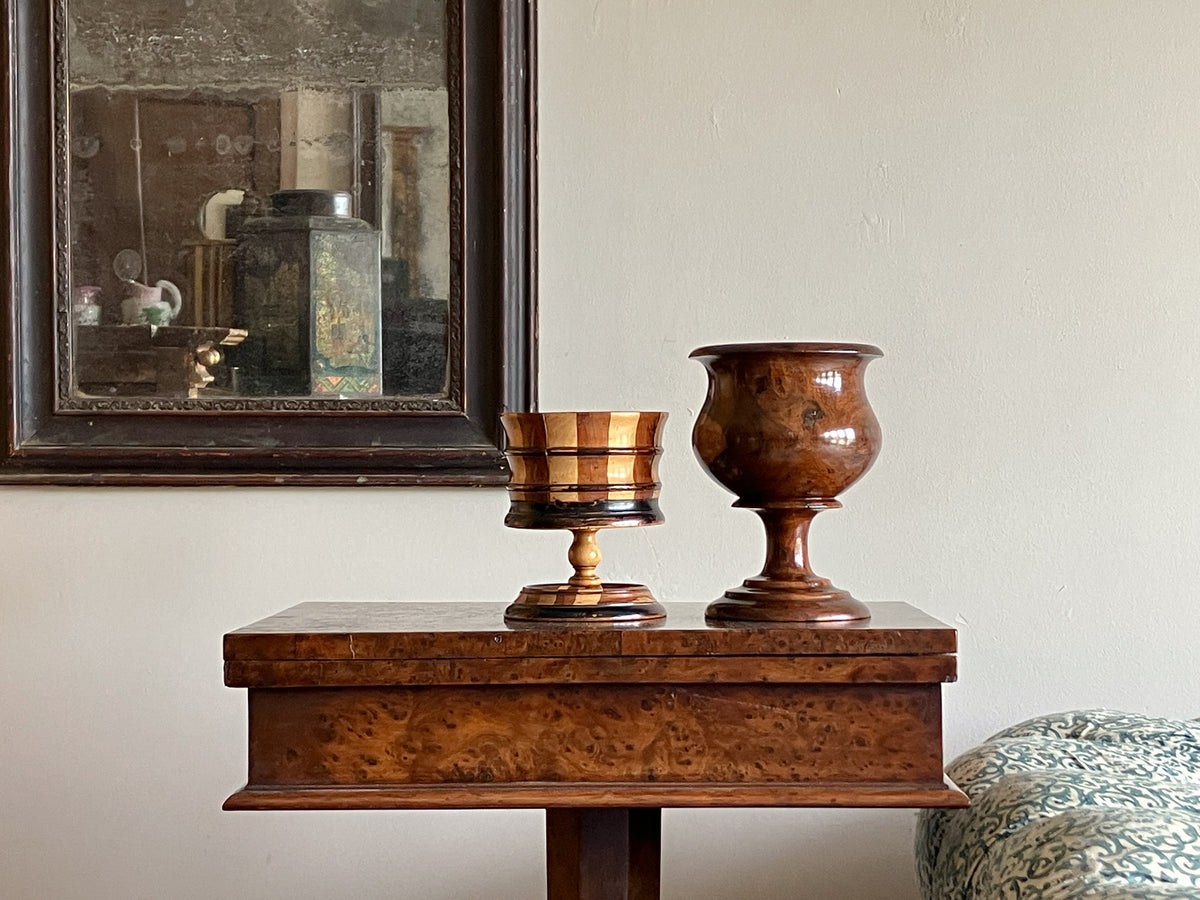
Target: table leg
[[603, 854]]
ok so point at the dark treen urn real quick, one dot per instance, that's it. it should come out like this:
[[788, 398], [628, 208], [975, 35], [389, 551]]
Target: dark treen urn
[[786, 427]]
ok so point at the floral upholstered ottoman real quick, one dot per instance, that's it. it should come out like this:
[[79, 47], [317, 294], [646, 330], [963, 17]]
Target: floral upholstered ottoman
[[1089, 804]]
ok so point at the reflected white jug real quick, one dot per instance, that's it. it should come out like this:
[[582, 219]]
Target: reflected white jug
[[144, 305]]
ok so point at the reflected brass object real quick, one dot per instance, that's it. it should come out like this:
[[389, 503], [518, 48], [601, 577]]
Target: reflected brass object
[[208, 356], [584, 471]]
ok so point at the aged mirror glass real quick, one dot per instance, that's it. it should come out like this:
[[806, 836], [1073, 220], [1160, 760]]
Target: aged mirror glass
[[281, 242]]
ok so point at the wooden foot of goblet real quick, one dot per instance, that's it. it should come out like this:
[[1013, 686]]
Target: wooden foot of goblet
[[583, 471], [786, 427]]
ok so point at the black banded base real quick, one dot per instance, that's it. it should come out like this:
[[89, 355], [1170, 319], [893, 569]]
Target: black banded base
[[611, 604], [573, 514]]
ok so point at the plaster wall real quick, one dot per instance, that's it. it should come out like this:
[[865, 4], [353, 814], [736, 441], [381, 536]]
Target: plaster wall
[[1003, 195]]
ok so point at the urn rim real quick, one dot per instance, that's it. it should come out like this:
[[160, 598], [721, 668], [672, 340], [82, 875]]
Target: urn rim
[[797, 348]]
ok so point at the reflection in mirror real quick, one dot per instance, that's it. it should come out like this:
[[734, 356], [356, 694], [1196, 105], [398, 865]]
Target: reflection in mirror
[[260, 199]]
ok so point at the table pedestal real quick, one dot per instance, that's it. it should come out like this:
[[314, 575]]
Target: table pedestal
[[603, 854]]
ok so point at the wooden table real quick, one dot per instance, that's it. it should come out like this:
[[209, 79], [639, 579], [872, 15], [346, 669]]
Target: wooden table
[[440, 705]]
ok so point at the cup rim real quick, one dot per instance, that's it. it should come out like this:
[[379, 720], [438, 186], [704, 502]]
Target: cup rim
[[561, 431]]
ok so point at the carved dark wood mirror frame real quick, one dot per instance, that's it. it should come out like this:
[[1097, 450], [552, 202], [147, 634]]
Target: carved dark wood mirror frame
[[52, 439]]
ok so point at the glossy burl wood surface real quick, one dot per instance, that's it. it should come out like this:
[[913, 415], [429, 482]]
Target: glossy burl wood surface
[[786, 427], [449, 630], [596, 733], [255, 673], [785, 422], [417, 705]]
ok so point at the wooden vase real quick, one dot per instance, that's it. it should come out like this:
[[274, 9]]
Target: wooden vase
[[584, 471], [786, 427]]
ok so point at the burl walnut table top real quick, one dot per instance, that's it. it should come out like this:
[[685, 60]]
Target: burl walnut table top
[[343, 644], [328, 631]]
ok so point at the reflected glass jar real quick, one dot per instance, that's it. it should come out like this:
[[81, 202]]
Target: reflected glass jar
[[85, 304]]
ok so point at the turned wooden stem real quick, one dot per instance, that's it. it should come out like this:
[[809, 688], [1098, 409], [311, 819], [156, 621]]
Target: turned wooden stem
[[787, 541], [787, 589], [584, 555]]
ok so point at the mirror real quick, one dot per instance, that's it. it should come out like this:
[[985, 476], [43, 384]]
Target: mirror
[[299, 230], [190, 123]]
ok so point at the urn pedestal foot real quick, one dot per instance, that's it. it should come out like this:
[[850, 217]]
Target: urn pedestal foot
[[746, 606], [787, 589]]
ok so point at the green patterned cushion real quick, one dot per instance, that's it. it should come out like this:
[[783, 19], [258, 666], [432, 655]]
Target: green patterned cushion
[[1095, 804]]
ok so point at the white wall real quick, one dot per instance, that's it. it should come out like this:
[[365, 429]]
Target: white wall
[[1004, 195]]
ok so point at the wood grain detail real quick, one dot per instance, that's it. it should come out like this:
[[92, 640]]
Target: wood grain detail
[[442, 705], [415, 630], [680, 734], [597, 670]]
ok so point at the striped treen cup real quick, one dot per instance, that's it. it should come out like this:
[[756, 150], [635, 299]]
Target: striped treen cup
[[577, 468], [583, 471]]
